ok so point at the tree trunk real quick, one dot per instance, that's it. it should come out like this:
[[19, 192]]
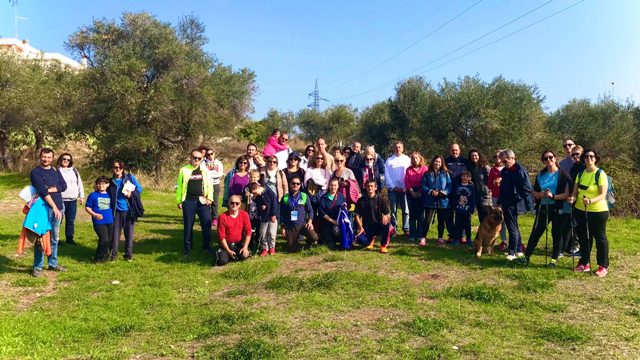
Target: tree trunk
[[39, 143], [5, 157]]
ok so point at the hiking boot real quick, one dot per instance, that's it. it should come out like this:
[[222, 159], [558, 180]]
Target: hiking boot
[[582, 268], [264, 253], [440, 241], [383, 249], [423, 242], [57, 268], [552, 264], [370, 246], [602, 271], [36, 272], [272, 251]]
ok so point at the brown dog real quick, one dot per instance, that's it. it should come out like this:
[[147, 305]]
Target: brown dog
[[488, 232]]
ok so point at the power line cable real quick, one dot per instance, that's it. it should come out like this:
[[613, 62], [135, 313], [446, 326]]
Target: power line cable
[[392, 41], [467, 44], [409, 47]]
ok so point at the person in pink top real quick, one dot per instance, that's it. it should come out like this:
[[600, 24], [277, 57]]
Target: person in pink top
[[413, 184], [273, 144], [494, 185]]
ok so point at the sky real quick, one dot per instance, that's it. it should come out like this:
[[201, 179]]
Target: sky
[[359, 50]]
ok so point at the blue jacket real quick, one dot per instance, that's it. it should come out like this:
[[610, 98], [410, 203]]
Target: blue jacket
[[37, 219], [432, 181], [456, 167], [326, 207], [115, 194], [267, 204], [515, 187], [305, 211]]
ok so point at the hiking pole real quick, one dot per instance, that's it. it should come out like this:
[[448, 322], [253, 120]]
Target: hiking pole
[[571, 237], [588, 244], [546, 237]]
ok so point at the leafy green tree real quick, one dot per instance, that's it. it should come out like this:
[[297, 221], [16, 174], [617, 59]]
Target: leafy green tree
[[337, 124], [151, 92]]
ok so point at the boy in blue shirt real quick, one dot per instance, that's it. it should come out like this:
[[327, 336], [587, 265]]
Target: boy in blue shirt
[[464, 199], [98, 205]]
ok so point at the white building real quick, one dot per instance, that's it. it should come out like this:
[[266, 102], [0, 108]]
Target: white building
[[23, 49]]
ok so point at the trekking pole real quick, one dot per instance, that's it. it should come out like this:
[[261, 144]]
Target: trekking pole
[[571, 237], [546, 237], [588, 243]]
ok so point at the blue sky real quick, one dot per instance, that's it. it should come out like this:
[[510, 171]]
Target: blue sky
[[359, 49]]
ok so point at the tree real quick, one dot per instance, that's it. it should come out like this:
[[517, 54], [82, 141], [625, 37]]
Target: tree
[[336, 125], [151, 92]]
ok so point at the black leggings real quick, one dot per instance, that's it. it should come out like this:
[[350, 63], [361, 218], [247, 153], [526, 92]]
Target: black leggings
[[597, 224], [558, 222], [444, 218]]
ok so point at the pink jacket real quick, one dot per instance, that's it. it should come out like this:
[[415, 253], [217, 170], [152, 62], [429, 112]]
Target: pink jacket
[[413, 177], [273, 146]]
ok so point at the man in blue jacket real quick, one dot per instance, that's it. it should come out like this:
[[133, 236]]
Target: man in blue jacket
[[515, 187], [457, 165], [50, 184], [297, 216]]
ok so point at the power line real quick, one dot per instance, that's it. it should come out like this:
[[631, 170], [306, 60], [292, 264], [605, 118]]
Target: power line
[[392, 41], [410, 46], [470, 43]]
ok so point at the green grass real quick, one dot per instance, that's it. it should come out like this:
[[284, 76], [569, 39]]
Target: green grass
[[414, 303]]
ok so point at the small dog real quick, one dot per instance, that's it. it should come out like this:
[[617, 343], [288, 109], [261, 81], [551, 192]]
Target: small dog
[[488, 231]]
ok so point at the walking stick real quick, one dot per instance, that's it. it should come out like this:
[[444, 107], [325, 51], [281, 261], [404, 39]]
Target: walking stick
[[588, 244], [546, 237]]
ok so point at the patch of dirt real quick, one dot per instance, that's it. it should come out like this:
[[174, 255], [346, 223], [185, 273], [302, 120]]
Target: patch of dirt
[[31, 295]]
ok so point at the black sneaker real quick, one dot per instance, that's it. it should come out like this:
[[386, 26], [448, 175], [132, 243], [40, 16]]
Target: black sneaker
[[523, 260], [57, 268], [36, 272]]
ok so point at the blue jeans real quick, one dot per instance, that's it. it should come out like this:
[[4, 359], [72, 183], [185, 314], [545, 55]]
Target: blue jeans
[[70, 210], [38, 255], [397, 200], [416, 217]]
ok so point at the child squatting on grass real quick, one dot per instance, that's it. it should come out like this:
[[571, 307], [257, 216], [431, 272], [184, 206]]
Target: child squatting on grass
[[98, 205]]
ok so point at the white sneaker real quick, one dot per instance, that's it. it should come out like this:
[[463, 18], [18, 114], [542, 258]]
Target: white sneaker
[[511, 257], [423, 242], [519, 254]]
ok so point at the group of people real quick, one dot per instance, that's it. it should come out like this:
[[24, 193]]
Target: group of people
[[323, 197], [308, 195], [114, 207]]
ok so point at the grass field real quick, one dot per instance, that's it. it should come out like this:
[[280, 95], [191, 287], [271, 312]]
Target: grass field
[[414, 303]]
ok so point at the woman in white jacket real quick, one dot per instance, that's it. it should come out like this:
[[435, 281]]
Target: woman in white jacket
[[74, 192]]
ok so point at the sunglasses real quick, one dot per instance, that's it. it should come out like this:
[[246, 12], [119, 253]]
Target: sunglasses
[[294, 159], [244, 163], [576, 154], [235, 203], [196, 158], [272, 162], [590, 156], [117, 168], [209, 154], [547, 158], [567, 145], [295, 184], [66, 159], [339, 161], [311, 150], [285, 139], [369, 159], [319, 158]]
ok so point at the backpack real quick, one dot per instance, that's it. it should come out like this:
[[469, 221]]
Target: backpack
[[610, 197]]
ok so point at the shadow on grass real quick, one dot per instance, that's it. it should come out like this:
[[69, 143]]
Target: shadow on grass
[[8, 266], [170, 245]]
